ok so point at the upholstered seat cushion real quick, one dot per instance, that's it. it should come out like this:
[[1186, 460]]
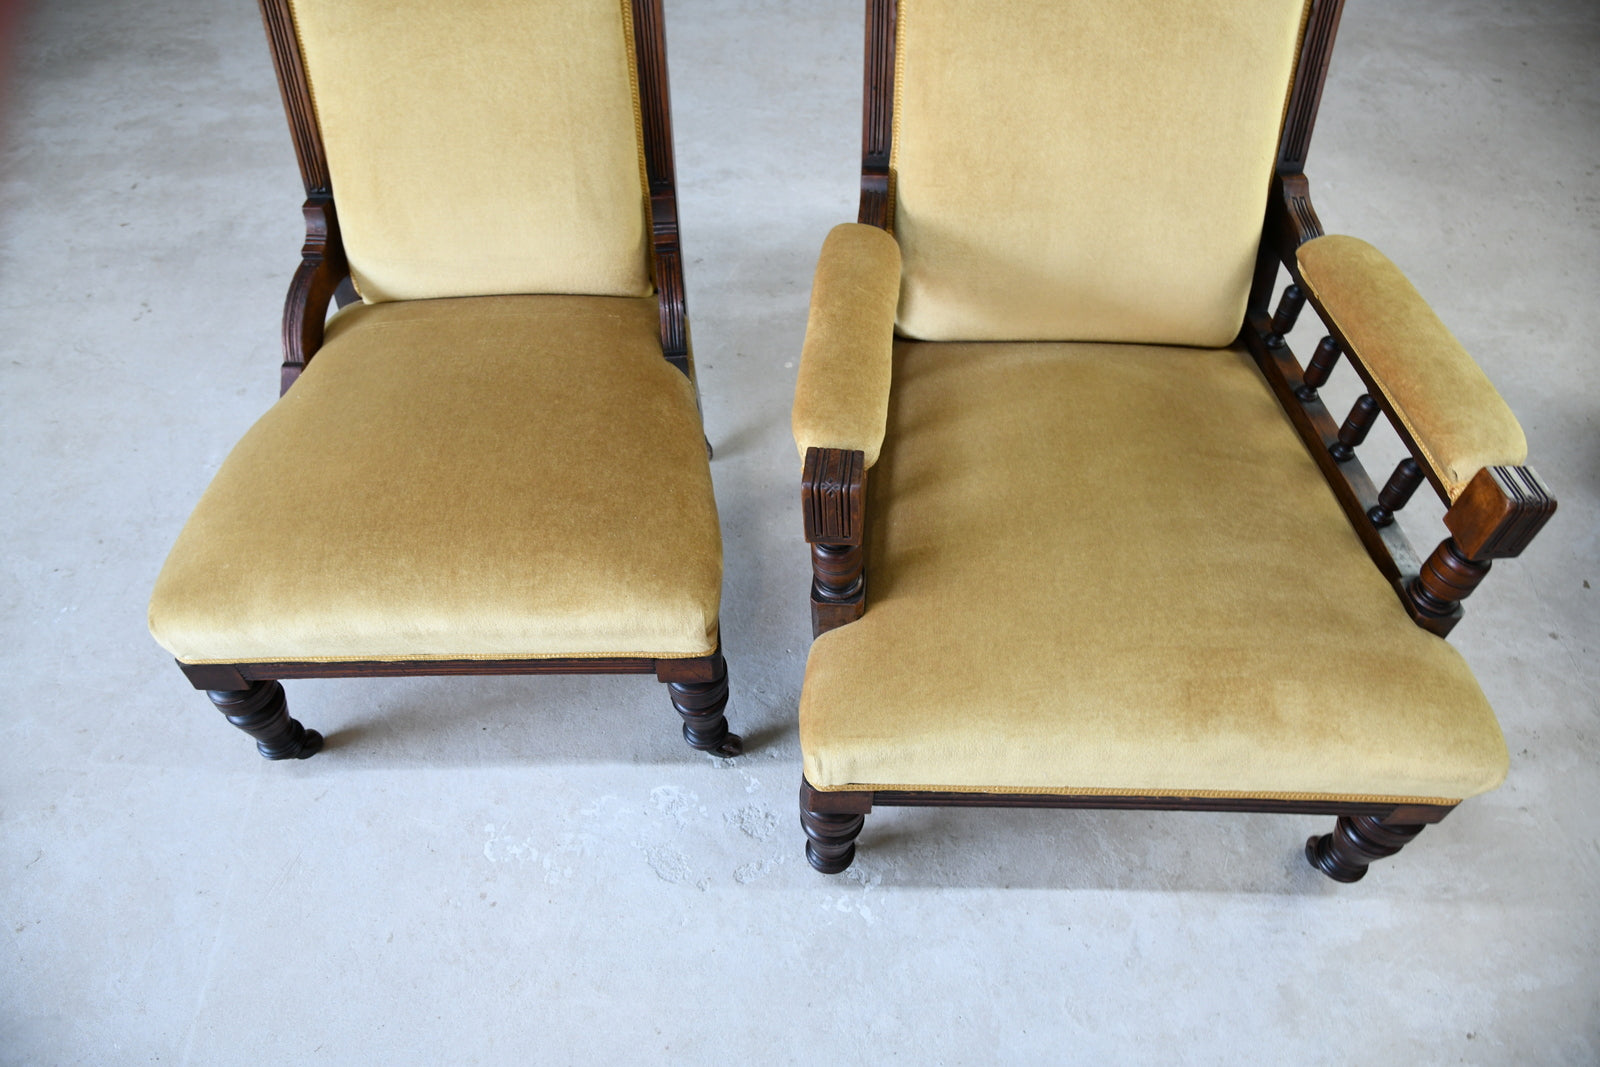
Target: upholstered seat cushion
[[1114, 569], [485, 477]]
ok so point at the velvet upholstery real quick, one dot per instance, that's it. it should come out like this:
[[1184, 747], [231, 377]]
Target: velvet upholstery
[[525, 177], [1085, 170], [1448, 404], [841, 394], [1114, 569], [497, 477]]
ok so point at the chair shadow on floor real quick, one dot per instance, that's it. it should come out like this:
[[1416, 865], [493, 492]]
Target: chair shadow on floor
[[505, 721], [1090, 849]]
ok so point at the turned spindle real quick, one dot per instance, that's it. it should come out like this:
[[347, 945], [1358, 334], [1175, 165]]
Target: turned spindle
[[1321, 366], [1356, 425], [1396, 492], [1289, 307], [836, 571], [1446, 579]]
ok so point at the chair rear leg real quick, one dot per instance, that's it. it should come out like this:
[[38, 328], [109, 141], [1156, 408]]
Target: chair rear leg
[[1355, 842], [701, 705], [262, 712], [830, 838]]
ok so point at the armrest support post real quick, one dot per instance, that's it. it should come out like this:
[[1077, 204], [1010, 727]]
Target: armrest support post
[[833, 505], [1495, 517]]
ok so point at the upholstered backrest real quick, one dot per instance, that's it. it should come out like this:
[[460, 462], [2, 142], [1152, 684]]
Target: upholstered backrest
[[481, 146], [1088, 170]]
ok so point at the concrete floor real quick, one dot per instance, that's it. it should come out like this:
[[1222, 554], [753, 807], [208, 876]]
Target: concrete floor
[[503, 870]]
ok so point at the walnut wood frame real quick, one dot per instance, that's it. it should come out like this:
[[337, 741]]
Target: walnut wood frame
[[1495, 516], [249, 694]]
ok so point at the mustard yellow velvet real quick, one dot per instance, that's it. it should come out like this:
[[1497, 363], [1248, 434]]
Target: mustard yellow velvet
[[1098, 568], [1085, 170], [480, 146], [491, 477], [1445, 400], [841, 395]]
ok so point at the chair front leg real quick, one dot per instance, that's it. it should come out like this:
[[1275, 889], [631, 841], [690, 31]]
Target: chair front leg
[[262, 712], [1358, 840], [699, 692], [831, 834]]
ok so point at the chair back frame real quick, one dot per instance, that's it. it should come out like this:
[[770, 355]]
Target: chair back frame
[[324, 274]]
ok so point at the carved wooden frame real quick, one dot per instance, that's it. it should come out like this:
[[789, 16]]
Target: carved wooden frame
[[249, 694], [1495, 516]]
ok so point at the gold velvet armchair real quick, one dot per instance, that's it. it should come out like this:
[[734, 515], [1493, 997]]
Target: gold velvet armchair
[[491, 461], [1083, 532]]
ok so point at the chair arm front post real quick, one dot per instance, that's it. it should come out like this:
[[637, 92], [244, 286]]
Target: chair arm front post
[[1494, 517], [833, 505]]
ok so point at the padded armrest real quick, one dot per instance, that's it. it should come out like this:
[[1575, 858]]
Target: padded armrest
[[1445, 401], [841, 396]]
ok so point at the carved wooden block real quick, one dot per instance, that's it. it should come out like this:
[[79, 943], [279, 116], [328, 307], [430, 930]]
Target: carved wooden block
[[833, 496], [1495, 517], [1499, 512], [829, 613]]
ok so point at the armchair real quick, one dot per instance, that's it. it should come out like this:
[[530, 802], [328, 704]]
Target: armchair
[[490, 460], [1084, 534]]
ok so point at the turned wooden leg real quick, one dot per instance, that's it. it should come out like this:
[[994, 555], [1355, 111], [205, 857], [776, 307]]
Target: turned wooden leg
[[701, 704], [1355, 842], [830, 839], [262, 712]]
